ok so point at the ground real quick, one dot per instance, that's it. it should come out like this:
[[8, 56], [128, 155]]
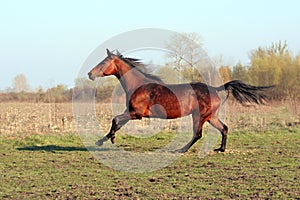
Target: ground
[[256, 165]]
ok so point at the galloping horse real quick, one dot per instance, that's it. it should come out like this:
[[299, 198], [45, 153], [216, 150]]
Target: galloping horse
[[148, 96]]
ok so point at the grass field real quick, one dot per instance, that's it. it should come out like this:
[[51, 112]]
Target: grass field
[[42, 157], [256, 165]]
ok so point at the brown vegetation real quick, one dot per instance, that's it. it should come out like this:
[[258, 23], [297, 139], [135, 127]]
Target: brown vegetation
[[23, 119]]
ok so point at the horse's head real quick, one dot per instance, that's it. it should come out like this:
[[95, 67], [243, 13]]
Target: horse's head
[[105, 68]]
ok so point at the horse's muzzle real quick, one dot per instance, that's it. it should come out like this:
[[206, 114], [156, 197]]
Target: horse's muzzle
[[91, 76]]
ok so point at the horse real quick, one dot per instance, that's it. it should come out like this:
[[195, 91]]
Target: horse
[[148, 96]]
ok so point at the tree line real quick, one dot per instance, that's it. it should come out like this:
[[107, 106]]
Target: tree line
[[270, 65], [59, 94]]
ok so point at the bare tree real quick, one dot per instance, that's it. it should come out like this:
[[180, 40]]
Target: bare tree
[[20, 83], [189, 58]]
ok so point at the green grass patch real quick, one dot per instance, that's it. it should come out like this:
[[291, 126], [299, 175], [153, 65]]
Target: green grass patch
[[255, 165]]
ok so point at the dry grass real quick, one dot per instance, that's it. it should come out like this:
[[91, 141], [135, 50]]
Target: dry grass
[[23, 119], [256, 118]]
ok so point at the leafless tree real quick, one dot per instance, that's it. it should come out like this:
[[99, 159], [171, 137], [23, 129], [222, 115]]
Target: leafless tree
[[189, 58], [20, 83]]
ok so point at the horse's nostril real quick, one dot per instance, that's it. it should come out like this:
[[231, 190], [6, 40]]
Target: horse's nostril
[[90, 76]]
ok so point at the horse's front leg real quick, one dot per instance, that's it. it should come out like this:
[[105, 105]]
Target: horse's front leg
[[117, 123]]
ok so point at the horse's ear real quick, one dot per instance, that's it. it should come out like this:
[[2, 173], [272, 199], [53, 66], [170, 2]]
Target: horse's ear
[[108, 53]]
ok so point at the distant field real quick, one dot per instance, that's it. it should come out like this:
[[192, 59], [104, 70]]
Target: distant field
[[261, 162]]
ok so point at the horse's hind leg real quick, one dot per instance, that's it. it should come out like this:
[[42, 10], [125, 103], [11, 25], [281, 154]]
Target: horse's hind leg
[[117, 123], [197, 128], [218, 124], [195, 138]]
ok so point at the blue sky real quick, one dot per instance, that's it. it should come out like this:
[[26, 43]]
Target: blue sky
[[48, 41]]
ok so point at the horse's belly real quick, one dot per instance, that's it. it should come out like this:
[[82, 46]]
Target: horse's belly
[[171, 107]]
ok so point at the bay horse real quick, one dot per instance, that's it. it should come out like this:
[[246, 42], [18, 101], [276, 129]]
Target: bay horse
[[148, 96]]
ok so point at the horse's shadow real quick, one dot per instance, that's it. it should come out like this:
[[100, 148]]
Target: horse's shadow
[[56, 148]]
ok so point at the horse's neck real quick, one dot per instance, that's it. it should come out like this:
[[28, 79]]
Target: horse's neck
[[131, 79]]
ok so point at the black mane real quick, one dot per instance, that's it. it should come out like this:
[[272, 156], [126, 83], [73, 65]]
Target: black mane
[[138, 65]]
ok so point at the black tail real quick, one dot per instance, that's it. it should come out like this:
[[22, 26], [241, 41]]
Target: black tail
[[244, 93]]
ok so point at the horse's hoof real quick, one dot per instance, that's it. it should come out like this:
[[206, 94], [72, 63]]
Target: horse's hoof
[[178, 151], [99, 143], [113, 140], [219, 150]]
